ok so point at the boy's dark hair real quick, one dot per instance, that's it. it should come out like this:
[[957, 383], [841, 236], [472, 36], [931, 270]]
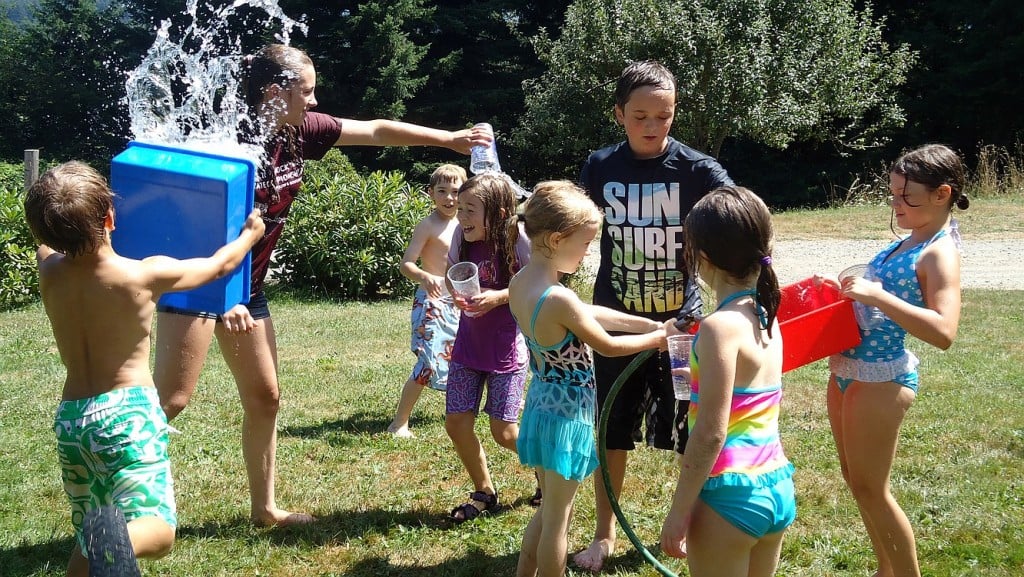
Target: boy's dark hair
[[934, 165], [639, 74], [66, 207], [732, 228]]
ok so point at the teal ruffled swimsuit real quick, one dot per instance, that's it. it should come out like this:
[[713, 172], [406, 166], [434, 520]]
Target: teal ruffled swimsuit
[[556, 432]]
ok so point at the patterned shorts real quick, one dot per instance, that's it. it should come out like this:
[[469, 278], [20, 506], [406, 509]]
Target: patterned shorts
[[113, 451], [434, 324], [504, 392]]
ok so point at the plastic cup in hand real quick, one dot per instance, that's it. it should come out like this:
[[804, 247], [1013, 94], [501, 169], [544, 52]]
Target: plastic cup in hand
[[868, 317], [679, 357], [853, 271], [465, 281]]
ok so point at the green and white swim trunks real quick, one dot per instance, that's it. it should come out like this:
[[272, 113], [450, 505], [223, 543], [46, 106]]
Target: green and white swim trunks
[[113, 451]]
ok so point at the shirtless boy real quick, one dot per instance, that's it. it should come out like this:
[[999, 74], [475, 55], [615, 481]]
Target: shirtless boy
[[435, 319], [111, 431]]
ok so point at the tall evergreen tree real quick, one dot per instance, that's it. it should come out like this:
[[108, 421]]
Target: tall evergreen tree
[[480, 55], [73, 56]]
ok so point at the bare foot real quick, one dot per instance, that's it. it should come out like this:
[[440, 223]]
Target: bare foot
[[282, 518], [402, 432], [592, 558]]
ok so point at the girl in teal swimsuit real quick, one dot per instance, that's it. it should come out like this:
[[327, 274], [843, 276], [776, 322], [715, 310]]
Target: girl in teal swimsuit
[[876, 382], [734, 498], [556, 435]]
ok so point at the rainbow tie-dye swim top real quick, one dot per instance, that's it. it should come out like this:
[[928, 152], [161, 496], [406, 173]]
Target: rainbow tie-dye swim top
[[752, 454]]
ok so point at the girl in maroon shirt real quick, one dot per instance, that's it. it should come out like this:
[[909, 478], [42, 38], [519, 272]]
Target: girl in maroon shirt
[[279, 86]]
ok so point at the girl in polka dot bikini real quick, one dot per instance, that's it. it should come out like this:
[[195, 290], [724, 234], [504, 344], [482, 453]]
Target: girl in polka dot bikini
[[873, 385]]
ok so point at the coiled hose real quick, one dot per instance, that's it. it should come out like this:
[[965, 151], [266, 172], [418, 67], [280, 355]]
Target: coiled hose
[[602, 458]]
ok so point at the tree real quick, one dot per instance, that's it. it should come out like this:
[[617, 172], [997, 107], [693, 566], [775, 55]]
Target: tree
[[471, 60], [967, 88], [774, 72], [480, 54], [72, 56]]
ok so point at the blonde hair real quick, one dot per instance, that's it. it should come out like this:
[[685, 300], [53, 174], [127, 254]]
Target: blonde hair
[[66, 208], [557, 206], [447, 173]]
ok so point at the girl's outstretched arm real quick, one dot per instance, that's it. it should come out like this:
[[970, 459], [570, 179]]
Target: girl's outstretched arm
[[566, 309], [382, 132], [613, 320]]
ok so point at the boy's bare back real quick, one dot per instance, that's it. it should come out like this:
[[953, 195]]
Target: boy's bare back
[[101, 310], [100, 304], [101, 307]]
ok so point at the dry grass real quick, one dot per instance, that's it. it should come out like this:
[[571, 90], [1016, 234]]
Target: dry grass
[[989, 218]]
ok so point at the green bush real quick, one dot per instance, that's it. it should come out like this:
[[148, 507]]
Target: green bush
[[12, 176], [19, 277], [333, 164], [346, 234]]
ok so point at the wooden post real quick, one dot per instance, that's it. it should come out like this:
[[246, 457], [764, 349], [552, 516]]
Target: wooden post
[[31, 167]]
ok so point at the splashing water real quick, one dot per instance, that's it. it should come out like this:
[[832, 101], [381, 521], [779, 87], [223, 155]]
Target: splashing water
[[186, 92]]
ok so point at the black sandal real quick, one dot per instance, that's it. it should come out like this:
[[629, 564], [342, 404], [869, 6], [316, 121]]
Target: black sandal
[[537, 498], [469, 510]]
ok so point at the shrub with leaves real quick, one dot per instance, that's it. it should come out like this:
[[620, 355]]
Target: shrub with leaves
[[19, 277], [346, 234]]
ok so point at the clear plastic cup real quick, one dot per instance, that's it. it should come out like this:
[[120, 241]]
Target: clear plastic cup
[[679, 357], [852, 271], [465, 280], [868, 317]]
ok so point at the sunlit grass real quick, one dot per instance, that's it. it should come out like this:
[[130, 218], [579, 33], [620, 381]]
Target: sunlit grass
[[382, 502]]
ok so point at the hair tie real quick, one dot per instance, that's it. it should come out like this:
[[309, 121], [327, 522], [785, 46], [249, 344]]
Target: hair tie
[[766, 260]]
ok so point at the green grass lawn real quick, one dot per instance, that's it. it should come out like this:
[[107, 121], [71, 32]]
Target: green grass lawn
[[382, 502]]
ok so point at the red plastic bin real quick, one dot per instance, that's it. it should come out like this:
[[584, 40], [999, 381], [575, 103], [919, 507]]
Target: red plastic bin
[[816, 321]]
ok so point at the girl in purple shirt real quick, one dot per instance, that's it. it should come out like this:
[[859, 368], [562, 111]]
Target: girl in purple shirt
[[488, 346]]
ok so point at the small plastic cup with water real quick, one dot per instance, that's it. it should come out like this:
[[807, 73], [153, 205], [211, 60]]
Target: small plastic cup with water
[[868, 317], [679, 357], [465, 281]]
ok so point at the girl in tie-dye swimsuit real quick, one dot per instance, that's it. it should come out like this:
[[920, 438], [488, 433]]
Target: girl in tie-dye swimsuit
[[734, 499], [873, 385]]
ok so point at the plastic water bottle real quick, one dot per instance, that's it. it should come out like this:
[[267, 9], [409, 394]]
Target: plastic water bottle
[[868, 317], [484, 158]]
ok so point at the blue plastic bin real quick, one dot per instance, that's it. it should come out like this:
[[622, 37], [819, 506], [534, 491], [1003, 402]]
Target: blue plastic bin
[[184, 204]]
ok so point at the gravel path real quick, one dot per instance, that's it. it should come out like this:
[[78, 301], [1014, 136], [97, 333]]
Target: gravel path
[[988, 264]]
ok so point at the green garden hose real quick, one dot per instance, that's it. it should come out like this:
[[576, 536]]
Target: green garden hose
[[602, 458]]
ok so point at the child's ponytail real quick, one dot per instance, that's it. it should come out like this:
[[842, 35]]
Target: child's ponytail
[[511, 240], [732, 228], [768, 293]]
